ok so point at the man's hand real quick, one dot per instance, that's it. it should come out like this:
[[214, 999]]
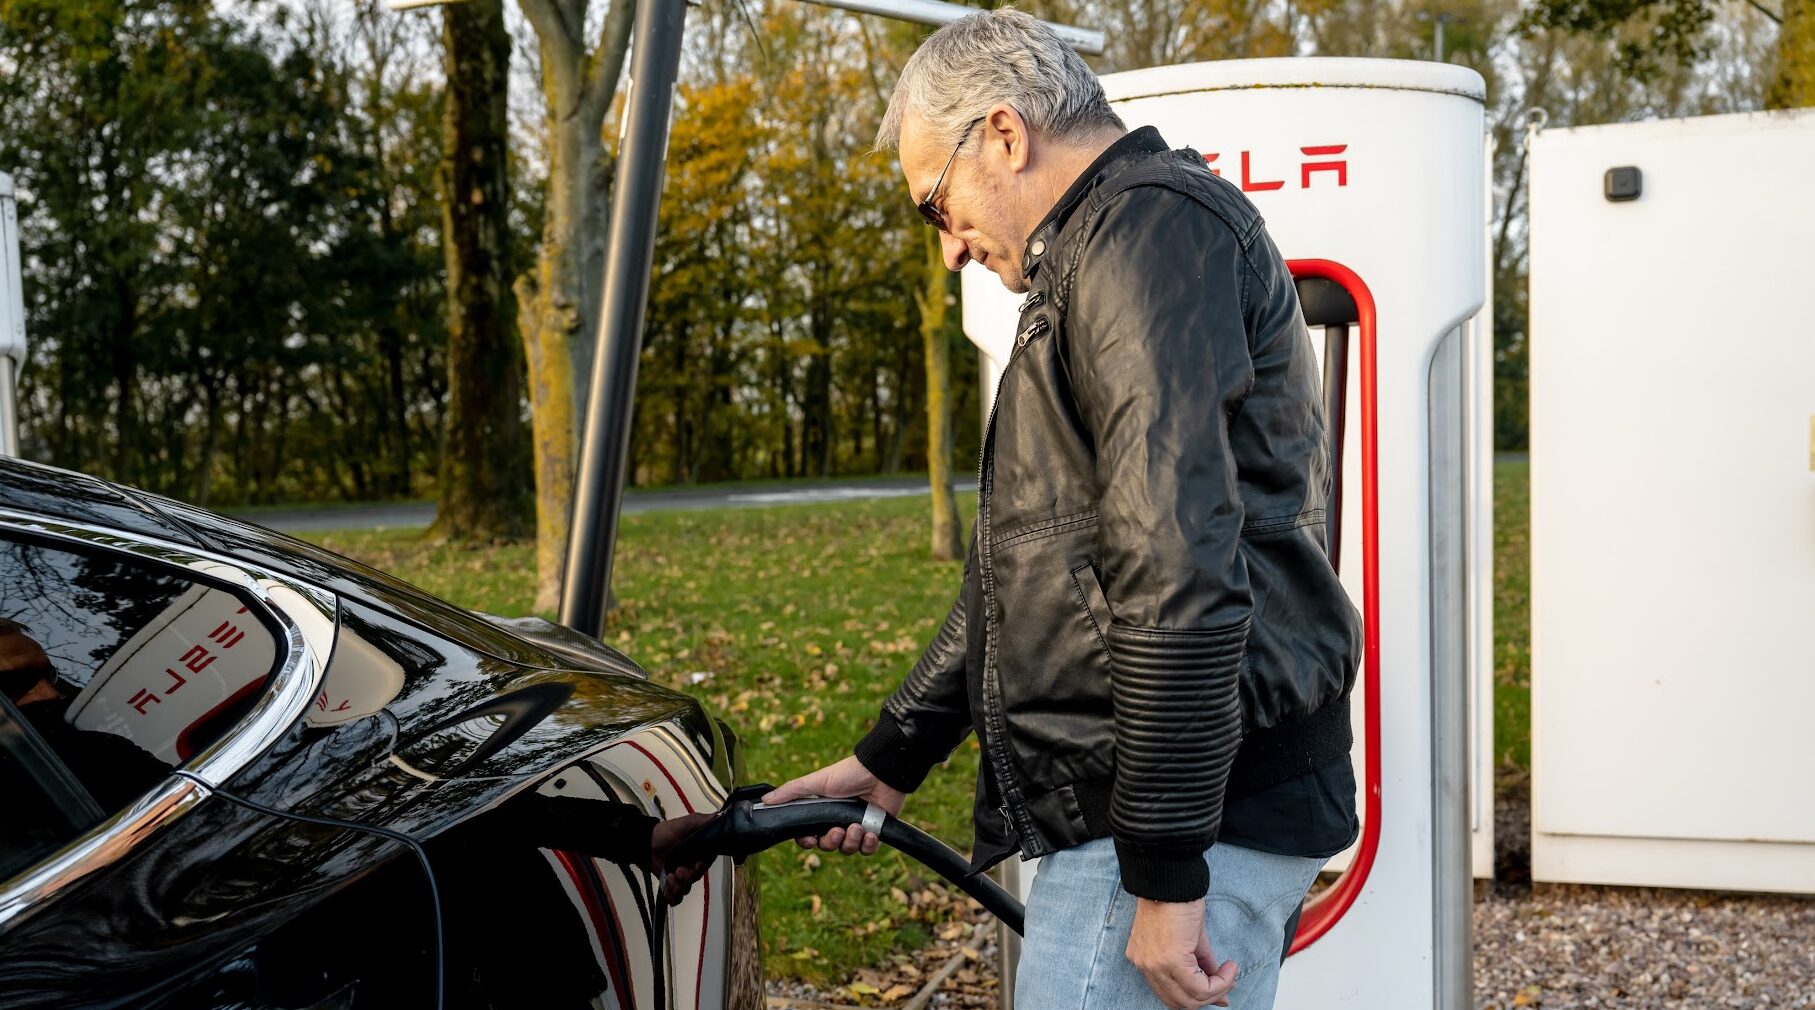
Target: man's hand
[[1170, 947], [846, 778], [676, 880]]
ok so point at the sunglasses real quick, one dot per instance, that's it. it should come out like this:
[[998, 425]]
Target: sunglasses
[[15, 683], [928, 212]]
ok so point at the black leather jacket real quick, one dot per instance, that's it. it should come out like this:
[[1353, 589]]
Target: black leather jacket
[[1148, 620]]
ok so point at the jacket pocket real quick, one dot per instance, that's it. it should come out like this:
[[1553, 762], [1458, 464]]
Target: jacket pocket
[[1090, 591]]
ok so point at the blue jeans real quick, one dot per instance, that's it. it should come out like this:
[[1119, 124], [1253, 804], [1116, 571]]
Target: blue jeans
[[1079, 917]]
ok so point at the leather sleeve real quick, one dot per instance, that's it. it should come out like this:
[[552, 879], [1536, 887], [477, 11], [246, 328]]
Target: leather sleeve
[[604, 829], [1157, 337], [929, 714]]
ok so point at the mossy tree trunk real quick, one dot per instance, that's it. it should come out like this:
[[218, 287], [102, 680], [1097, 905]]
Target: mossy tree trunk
[[484, 486], [559, 298], [1794, 85], [933, 299]]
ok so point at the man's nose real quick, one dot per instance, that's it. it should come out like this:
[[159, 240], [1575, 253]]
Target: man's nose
[[955, 251]]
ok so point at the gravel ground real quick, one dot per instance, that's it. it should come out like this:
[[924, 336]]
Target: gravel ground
[[1560, 946], [1549, 946]]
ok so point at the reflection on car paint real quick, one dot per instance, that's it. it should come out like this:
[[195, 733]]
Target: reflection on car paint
[[224, 907]]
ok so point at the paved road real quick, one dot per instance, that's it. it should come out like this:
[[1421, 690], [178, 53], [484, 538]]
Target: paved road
[[405, 516]]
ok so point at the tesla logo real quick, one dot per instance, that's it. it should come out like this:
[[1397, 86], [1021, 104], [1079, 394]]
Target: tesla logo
[[227, 635], [143, 698], [196, 659], [1317, 159]]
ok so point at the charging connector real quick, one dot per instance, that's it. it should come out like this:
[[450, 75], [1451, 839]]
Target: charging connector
[[745, 826]]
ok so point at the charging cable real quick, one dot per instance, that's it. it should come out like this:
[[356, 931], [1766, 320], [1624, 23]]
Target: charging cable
[[745, 826], [415, 846]]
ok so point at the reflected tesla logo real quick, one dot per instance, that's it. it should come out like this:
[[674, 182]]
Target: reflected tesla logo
[[1315, 160]]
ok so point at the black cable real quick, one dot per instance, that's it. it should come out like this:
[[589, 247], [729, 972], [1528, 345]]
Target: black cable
[[415, 846], [745, 827]]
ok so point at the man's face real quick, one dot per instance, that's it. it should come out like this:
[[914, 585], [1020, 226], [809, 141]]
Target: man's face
[[980, 195], [25, 671]]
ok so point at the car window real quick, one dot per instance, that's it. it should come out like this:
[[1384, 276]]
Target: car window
[[114, 670], [346, 577], [44, 807]]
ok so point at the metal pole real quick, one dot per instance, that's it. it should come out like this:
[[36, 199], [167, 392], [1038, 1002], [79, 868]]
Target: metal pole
[[1452, 884], [934, 12], [1335, 415], [12, 318], [1440, 19], [630, 244], [9, 410]]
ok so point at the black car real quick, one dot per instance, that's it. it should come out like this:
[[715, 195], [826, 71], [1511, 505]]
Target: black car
[[219, 746]]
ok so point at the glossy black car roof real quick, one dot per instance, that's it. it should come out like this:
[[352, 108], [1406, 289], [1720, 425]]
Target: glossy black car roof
[[77, 498]]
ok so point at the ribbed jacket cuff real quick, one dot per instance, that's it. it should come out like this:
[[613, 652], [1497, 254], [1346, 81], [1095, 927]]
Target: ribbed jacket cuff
[[1163, 874], [894, 757]]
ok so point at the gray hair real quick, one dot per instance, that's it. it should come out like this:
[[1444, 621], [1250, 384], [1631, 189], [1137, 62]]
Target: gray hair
[[996, 56]]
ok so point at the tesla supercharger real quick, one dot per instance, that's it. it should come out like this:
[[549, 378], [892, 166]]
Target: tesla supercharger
[[12, 319], [1370, 174]]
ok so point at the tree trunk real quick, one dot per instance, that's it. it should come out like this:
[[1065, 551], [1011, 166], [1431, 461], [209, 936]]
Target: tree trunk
[[904, 407], [875, 405], [721, 413], [816, 401], [558, 301], [948, 532], [1794, 84], [396, 422], [483, 493], [210, 441]]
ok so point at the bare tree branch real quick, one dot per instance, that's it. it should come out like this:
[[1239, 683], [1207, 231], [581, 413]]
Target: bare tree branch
[[608, 60], [870, 63], [1766, 11], [561, 55]]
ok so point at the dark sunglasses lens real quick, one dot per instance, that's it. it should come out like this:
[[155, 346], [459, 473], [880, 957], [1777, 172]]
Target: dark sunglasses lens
[[931, 215], [14, 683]]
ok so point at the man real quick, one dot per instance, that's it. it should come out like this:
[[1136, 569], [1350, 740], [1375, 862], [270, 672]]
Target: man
[[114, 770], [1149, 642]]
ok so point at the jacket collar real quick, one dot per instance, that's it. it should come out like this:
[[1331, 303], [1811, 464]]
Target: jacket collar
[[1146, 140]]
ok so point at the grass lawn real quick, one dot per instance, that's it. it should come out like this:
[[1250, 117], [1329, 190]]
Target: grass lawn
[[1512, 616], [807, 616]]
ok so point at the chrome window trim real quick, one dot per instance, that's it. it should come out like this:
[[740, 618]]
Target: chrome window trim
[[306, 616], [99, 848]]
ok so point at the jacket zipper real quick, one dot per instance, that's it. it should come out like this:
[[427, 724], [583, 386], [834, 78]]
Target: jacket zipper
[[1004, 770]]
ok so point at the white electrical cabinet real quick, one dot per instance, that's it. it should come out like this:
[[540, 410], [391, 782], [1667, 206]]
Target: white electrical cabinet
[[1673, 503]]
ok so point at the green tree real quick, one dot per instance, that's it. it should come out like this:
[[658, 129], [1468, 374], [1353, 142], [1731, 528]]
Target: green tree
[[228, 294], [1654, 36], [97, 97], [695, 357]]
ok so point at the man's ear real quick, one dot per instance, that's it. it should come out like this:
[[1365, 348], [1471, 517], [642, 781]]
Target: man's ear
[[1006, 132]]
